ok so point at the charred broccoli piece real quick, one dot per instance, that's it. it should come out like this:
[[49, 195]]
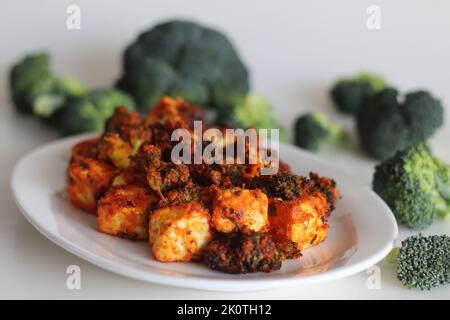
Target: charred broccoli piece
[[185, 59], [423, 262], [348, 94], [314, 129], [283, 184], [89, 113], [387, 125], [415, 185], [238, 253]]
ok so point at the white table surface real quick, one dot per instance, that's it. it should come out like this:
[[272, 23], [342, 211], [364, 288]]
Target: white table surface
[[294, 50]]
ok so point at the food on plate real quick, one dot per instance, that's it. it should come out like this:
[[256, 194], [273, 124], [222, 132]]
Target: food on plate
[[123, 211], [88, 179], [227, 215], [179, 232], [311, 130], [423, 262], [388, 122], [239, 209], [416, 186], [243, 253], [349, 93]]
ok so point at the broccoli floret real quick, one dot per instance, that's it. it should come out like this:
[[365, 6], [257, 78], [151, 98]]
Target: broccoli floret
[[415, 185], [28, 78], [386, 125], [90, 112], [252, 111], [180, 58], [313, 129], [423, 262], [348, 94], [47, 103]]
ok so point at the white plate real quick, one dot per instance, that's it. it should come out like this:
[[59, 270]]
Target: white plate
[[362, 231]]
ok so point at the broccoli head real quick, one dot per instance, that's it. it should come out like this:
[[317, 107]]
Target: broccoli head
[[313, 129], [423, 262], [415, 185], [184, 59], [28, 78], [348, 94], [386, 125], [90, 112]]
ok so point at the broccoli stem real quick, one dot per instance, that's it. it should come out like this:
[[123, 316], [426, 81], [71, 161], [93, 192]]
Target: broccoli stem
[[392, 256]]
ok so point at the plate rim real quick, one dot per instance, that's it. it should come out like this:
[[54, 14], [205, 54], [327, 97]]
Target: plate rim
[[193, 282]]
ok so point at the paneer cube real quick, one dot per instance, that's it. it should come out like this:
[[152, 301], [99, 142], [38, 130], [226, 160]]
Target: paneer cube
[[84, 149], [88, 180], [240, 209], [180, 232], [302, 221], [123, 211], [113, 148]]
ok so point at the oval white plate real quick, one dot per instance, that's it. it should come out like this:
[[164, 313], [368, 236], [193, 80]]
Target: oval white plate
[[362, 230]]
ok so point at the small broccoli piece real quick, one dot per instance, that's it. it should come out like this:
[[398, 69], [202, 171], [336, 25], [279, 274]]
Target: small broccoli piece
[[90, 112], [348, 94], [386, 125], [28, 78], [180, 58], [314, 129], [415, 185], [423, 262], [253, 111]]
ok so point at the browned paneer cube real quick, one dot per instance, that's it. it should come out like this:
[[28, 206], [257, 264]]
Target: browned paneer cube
[[240, 209], [88, 180], [123, 211]]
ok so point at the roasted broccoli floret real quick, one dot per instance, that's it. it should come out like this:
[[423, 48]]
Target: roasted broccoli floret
[[314, 129], [35, 89], [239, 253], [29, 78], [90, 112], [423, 262], [348, 94], [387, 125], [180, 58], [252, 111], [415, 185]]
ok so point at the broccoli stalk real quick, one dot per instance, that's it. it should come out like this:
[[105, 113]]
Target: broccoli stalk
[[314, 129], [415, 185], [422, 262], [348, 94]]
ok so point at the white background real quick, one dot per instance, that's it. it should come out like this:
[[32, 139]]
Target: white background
[[294, 49]]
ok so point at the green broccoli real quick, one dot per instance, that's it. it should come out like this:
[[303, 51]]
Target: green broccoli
[[348, 94], [47, 103], [423, 262], [89, 113], [180, 58], [313, 129], [252, 111], [415, 185], [386, 125], [28, 78]]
